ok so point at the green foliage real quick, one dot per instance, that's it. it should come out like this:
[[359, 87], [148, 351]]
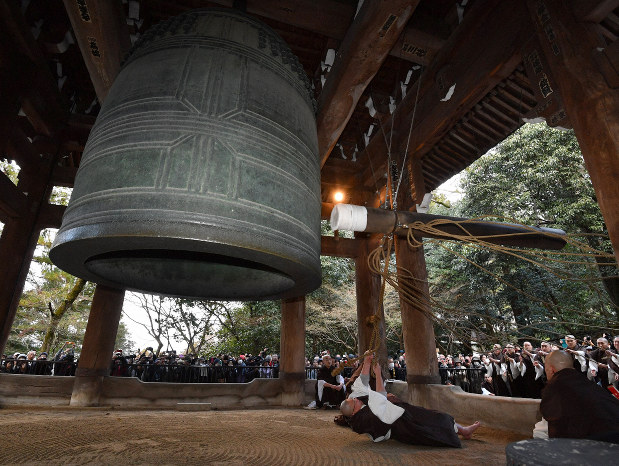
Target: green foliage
[[250, 327], [46, 290], [10, 169], [537, 177]]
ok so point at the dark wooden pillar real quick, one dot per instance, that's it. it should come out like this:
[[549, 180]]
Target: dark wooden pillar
[[19, 240], [98, 346], [369, 301], [417, 328], [585, 71], [292, 348]]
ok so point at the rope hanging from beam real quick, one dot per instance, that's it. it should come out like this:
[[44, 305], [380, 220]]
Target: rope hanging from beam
[[555, 263]]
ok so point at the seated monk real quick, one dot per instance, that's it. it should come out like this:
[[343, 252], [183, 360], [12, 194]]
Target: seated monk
[[330, 390], [371, 412]]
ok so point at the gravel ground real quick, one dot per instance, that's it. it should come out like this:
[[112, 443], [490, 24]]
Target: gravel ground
[[237, 437]]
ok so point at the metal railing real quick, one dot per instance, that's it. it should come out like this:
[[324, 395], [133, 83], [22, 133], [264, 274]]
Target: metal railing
[[181, 373]]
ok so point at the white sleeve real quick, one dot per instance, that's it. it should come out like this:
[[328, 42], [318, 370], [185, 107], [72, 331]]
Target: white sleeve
[[489, 369], [359, 389], [523, 368], [321, 387], [504, 371], [593, 366], [539, 371], [383, 409], [580, 356]]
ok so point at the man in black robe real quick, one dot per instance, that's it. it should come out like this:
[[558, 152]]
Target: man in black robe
[[531, 387], [371, 412], [576, 407], [577, 353], [495, 358], [613, 363], [330, 389]]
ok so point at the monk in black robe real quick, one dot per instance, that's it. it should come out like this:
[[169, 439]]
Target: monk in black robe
[[330, 389], [495, 358], [371, 412], [576, 407]]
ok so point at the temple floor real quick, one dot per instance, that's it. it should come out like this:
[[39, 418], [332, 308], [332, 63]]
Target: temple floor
[[236, 437]]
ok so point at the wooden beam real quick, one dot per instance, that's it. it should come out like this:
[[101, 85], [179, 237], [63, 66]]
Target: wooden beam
[[325, 17], [594, 10], [374, 32], [64, 176], [593, 107], [101, 31], [45, 107], [482, 52], [18, 148], [18, 242], [608, 64], [421, 40], [340, 247], [50, 216], [12, 200]]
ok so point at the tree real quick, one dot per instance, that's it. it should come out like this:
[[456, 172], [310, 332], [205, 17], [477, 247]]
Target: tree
[[537, 177], [155, 308], [54, 308], [192, 322]]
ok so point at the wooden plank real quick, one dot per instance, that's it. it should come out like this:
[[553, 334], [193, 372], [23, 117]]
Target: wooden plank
[[372, 35], [12, 200], [101, 32]]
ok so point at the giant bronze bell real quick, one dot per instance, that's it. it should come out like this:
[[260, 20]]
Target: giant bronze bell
[[201, 175]]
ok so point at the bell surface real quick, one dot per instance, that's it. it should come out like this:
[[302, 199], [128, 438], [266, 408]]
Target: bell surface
[[201, 175]]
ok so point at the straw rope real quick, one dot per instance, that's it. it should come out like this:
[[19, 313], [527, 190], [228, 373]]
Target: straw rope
[[412, 289]]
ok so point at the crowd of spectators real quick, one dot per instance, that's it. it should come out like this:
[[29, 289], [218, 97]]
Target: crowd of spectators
[[518, 371], [509, 370], [170, 366], [63, 363]]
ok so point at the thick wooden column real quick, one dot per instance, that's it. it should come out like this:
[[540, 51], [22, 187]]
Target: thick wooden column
[[369, 301], [98, 346], [292, 348], [417, 328], [584, 70], [19, 240]]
